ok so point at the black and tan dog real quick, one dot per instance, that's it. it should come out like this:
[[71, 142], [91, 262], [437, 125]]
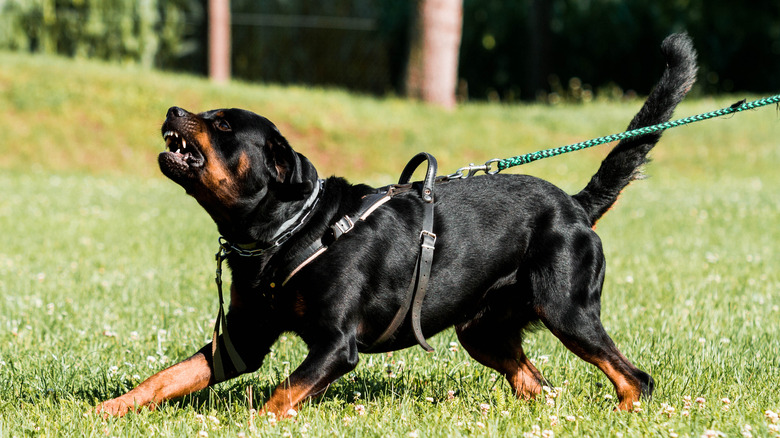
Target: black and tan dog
[[512, 250]]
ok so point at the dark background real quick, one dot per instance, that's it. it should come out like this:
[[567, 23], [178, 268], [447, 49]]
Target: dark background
[[510, 50]]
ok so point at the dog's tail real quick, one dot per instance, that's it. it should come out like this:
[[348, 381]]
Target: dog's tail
[[623, 163]]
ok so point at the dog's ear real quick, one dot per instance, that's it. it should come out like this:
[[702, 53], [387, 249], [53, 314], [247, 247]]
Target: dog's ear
[[292, 175]]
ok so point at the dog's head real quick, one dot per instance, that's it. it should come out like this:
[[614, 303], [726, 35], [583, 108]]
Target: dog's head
[[231, 161]]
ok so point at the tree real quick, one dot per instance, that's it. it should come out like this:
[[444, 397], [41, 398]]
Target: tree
[[219, 40], [434, 43]]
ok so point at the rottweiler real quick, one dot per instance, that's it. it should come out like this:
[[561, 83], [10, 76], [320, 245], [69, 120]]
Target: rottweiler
[[511, 252]]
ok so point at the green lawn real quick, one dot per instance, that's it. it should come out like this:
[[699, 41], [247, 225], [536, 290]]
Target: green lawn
[[106, 268]]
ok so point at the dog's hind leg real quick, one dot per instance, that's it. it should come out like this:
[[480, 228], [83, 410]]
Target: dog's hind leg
[[567, 299], [499, 346]]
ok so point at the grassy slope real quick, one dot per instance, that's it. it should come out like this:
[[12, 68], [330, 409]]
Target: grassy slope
[[105, 271]]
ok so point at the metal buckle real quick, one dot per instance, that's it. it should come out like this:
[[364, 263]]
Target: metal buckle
[[428, 239], [345, 225]]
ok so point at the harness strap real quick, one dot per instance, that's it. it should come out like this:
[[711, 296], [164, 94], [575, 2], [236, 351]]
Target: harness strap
[[422, 271], [217, 347]]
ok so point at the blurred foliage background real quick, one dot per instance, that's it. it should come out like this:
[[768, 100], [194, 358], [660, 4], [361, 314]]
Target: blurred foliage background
[[527, 49]]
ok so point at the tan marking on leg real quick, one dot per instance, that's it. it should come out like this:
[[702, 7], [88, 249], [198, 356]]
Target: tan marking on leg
[[522, 375], [627, 387], [181, 379], [526, 379], [287, 396]]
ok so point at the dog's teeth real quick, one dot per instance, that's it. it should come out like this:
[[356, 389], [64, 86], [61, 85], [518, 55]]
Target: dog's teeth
[[176, 134], [183, 143], [178, 151]]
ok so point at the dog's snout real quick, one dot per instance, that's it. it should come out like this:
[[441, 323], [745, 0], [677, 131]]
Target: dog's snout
[[175, 112]]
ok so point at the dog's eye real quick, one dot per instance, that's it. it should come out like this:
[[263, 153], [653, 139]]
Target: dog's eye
[[222, 125]]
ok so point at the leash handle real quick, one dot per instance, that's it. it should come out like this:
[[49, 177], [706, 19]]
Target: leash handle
[[430, 174]]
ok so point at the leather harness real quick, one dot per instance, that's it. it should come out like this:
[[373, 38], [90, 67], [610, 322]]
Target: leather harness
[[417, 286]]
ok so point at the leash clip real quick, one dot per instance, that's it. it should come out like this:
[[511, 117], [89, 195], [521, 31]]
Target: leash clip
[[472, 169]]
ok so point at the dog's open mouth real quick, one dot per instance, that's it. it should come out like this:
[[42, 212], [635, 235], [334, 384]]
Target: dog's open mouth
[[181, 151], [181, 156]]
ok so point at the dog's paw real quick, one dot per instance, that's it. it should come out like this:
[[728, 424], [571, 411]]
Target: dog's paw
[[116, 407]]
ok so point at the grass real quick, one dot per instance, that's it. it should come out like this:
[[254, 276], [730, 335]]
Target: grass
[[106, 269]]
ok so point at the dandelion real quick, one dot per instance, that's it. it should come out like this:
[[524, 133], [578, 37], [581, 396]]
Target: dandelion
[[360, 409], [667, 410], [571, 418], [429, 399], [774, 428], [480, 424], [685, 413], [413, 434], [747, 431], [548, 434], [701, 402], [607, 396], [673, 435], [637, 406], [292, 413], [347, 420], [484, 407], [450, 395], [553, 420], [213, 419], [505, 413], [772, 417], [203, 433], [709, 433], [453, 347]]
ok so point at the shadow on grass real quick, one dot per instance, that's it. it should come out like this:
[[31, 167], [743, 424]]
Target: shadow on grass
[[235, 394]]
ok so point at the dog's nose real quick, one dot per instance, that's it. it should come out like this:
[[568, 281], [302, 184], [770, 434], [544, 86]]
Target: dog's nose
[[175, 111]]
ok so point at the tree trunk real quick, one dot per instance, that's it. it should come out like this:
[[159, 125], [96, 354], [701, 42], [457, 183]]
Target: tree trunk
[[434, 43], [219, 40]]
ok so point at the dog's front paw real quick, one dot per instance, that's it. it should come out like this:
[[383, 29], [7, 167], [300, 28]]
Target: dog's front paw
[[116, 407]]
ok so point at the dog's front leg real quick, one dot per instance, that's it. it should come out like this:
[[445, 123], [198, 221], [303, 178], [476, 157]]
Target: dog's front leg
[[323, 365], [184, 378]]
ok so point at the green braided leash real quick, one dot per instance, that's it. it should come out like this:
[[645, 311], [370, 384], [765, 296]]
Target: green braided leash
[[538, 155]]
